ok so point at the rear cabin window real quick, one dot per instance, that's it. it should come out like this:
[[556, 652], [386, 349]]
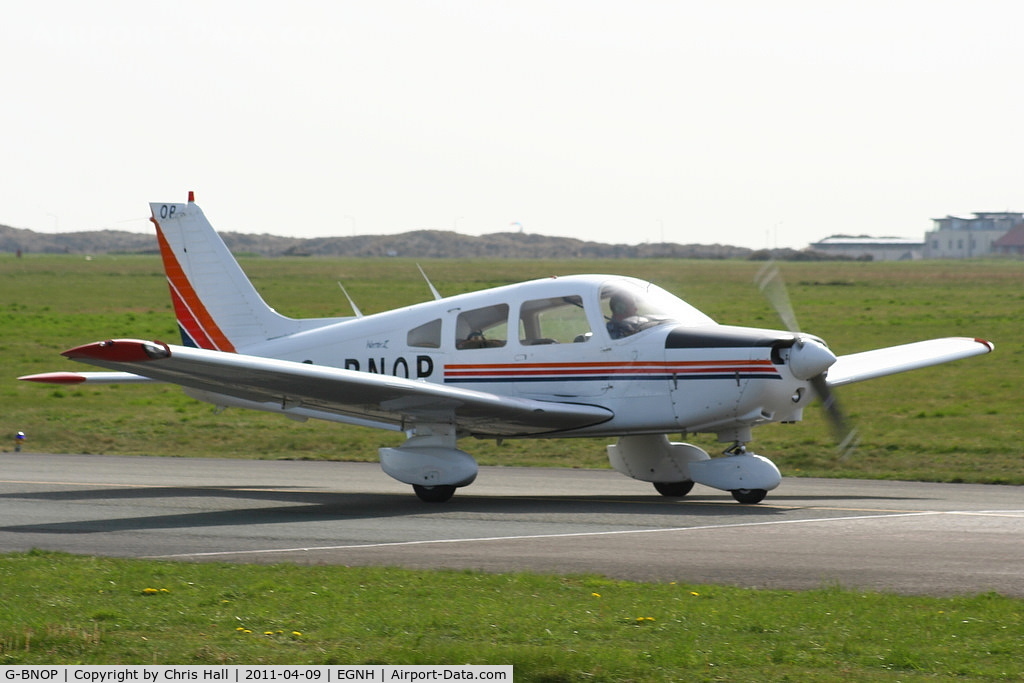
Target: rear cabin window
[[426, 336], [482, 328], [556, 320]]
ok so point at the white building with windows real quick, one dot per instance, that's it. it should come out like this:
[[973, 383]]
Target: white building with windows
[[954, 237]]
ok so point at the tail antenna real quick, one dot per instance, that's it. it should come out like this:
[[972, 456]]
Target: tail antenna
[[437, 295], [355, 309]]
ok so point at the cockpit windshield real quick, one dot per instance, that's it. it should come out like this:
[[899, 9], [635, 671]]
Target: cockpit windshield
[[630, 306]]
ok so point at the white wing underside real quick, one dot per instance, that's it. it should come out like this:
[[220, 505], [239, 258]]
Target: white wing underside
[[857, 367], [305, 390]]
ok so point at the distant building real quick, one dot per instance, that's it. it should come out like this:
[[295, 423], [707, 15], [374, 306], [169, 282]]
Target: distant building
[[1012, 243], [954, 237], [871, 248]]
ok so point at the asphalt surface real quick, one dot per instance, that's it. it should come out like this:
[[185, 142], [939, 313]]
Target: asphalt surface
[[902, 537]]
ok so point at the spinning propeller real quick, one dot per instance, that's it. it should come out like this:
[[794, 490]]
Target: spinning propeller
[[809, 359]]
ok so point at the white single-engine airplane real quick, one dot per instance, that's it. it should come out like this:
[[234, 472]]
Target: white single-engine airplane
[[577, 356]]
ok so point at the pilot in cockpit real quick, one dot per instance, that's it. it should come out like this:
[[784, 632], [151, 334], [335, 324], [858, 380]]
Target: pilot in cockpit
[[624, 321]]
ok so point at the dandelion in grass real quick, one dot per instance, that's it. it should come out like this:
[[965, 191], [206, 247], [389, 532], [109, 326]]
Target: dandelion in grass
[[596, 595]]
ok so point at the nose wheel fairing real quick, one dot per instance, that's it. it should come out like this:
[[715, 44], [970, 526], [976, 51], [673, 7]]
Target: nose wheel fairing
[[653, 458], [747, 471]]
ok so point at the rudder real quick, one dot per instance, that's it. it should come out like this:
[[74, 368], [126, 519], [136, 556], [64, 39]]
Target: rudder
[[215, 303]]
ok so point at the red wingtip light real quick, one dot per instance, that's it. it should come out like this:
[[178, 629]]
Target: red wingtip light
[[120, 351], [191, 196]]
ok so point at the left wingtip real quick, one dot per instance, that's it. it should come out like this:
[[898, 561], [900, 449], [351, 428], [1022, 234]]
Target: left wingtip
[[991, 347], [120, 351]]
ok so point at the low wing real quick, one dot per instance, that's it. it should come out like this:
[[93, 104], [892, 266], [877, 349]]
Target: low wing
[[857, 367], [344, 395]]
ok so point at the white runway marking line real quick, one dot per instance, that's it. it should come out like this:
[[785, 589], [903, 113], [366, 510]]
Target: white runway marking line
[[248, 489], [990, 513], [582, 534]]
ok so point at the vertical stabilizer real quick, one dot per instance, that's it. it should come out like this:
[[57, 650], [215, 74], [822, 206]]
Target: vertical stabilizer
[[216, 305]]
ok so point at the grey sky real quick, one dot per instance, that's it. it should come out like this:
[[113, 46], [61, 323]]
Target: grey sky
[[741, 122]]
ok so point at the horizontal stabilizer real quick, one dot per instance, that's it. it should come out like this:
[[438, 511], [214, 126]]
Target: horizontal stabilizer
[[857, 367], [88, 377]]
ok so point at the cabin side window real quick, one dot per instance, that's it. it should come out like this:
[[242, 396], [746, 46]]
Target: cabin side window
[[426, 336], [482, 328], [555, 320]]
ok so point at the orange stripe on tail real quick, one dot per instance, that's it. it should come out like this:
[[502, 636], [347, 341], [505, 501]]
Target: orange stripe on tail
[[188, 307]]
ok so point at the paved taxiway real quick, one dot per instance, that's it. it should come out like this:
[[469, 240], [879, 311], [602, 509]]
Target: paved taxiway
[[880, 535]]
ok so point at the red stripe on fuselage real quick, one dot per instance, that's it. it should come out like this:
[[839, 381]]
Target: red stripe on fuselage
[[573, 370]]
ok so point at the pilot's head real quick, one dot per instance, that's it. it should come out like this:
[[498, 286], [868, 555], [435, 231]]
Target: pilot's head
[[622, 305]]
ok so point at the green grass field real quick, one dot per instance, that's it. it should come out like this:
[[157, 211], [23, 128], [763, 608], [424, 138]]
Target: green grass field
[[958, 422], [62, 609]]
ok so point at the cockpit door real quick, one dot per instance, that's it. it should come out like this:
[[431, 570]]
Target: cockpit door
[[558, 354]]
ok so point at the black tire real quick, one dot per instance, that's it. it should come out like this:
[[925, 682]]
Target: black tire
[[749, 496], [673, 489], [434, 494]]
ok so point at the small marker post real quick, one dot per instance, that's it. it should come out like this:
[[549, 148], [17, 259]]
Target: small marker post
[[18, 438]]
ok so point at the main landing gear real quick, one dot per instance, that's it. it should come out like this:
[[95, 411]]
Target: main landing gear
[[434, 494], [674, 489], [678, 489], [430, 462]]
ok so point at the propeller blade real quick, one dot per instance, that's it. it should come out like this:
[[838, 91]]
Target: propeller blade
[[769, 281], [843, 431]]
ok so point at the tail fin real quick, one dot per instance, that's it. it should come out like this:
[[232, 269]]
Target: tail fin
[[216, 305]]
